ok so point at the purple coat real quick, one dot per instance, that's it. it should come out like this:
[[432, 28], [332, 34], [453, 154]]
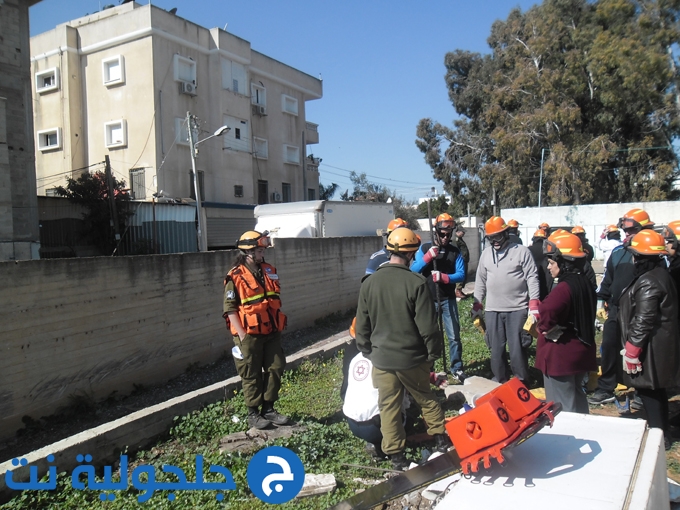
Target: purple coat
[[568, 355]]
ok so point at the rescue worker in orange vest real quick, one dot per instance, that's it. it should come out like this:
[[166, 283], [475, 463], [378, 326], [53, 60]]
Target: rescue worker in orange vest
[[252, 309]]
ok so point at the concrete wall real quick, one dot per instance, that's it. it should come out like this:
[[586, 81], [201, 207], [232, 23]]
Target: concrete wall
[[593, 218], [98, 325], [19, 236]]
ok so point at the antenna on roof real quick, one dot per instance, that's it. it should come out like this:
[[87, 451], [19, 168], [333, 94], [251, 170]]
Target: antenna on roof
[[225, 26]]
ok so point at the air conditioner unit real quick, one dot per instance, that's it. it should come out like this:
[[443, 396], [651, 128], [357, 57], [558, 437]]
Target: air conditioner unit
[[187, 88], [260, 110], [276, 196]]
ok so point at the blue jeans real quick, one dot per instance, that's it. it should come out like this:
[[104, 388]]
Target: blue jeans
[[451, 324]]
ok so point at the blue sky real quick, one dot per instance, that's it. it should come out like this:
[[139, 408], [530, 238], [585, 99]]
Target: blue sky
[[382, 64]]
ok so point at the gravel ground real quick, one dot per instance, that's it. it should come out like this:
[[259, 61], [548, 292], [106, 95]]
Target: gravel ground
[[84, 413]]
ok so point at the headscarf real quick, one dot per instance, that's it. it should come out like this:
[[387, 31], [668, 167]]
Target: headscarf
[[583, 298]]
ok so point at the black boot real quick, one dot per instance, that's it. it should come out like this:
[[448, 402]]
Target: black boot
[[442, 442], [271, 415], [255, 419], [399, 461]]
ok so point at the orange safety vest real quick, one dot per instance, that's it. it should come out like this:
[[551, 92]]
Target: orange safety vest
[[260, 308]]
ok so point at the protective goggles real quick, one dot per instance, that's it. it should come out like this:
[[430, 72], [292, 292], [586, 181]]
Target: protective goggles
[[628, 223], [497, 239], [550, 249], [262, 241]]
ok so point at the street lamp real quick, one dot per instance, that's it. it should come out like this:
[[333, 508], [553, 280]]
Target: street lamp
[[194, 153]]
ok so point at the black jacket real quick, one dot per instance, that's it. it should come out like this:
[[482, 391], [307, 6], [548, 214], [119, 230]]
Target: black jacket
[[648, 318], [618, 275]]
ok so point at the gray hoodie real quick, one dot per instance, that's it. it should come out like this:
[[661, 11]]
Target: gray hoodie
[[508, 278]]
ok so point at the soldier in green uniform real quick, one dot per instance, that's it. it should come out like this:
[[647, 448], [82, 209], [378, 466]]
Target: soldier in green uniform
[[397, 330], [252, 309]]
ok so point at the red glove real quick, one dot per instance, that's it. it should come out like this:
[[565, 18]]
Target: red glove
[[438, 380], [477, 309], [533, 308], [631, 359], [431, 254], [438, 276]]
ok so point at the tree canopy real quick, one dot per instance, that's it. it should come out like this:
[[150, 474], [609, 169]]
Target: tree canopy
[[586, 89], [92, 192]]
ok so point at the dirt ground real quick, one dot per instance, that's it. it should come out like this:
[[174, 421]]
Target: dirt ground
[[84, 413]]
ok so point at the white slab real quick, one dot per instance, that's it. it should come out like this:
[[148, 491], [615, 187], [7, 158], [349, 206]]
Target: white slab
[[583, 462]]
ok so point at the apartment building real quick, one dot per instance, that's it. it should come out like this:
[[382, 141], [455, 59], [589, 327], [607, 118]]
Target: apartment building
[[121, 82]]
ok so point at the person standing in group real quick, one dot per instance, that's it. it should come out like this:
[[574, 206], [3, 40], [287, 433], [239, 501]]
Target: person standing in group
[[671, 234], [513, 232], [450, 271], [565, 349], [396, 328], [580, 232], [545, 279], [381, 256], [610, 239], [618, 274], [507, 277], [648, 323], [465, 253], [545, 228], [252, 309]]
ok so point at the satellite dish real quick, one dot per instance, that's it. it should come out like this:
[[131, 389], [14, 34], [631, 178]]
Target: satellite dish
[[173, 10]]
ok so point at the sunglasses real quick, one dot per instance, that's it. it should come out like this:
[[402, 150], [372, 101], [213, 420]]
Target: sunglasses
[[444, 234]]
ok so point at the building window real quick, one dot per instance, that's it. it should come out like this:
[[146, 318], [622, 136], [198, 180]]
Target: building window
[[113, 70], [238, 137], [51, 192], [311, 194], [238, 191], [137, 183], [258, 95], [233, 76], [260, 148], [49, 139], [47, 80], [115, 134], [201, 188], [181, 131], [285, 192], [291, 154], [289, 104], [262, 192], [185, 70]]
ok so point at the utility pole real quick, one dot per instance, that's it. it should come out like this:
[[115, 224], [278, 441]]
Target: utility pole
[[112, 198], [304, 168], [192, 146], [540, 179]]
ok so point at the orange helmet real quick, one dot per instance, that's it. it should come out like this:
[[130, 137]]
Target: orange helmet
[[353, 328], [395, 223], [672, 230], [544, 226], [647, 242], [495, 225], [611, 228], [445, 222], [564, 244], [253, 239], [539, 234], [578, 229], [402, 240], [635, 218], [513, 223]]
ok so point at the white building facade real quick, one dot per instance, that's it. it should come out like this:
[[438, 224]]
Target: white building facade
[[120, 83]]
